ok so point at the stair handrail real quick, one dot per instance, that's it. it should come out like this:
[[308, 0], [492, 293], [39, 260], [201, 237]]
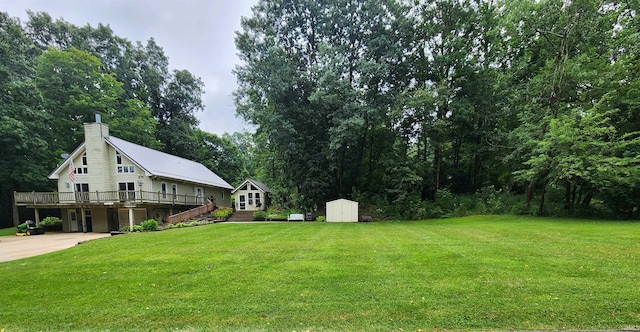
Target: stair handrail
[[192, 213]]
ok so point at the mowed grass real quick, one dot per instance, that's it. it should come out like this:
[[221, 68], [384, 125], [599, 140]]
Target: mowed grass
[[474, 273], [8, 231]]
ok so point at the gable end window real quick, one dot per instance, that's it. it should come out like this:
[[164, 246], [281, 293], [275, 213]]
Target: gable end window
[[126, 169], [83, 169], [120, 168]]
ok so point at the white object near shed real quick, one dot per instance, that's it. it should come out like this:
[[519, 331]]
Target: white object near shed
[[342, 210]]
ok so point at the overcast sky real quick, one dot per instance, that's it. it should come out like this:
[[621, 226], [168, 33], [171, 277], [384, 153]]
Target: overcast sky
[[196, 35]]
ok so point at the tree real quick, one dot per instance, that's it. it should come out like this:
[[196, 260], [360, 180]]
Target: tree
[[74, 87], [23, 144], [221, 156]]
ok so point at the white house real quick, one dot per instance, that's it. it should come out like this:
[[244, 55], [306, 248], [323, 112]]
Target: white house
[[251, 195], [342, 210], [108, 182]]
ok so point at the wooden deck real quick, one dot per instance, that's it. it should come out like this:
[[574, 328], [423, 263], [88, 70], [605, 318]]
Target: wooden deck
[[104, 198]]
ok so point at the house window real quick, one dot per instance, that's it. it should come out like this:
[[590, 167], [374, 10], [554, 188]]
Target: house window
[[222, 194], [83, 169], [127, 191], [126, 169], [163, 189], [244, 187], [82, 192], [174, 190], [253, 188], [258, 203], [250, 199]]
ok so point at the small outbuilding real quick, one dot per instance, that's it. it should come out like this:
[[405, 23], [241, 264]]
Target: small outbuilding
[[342, 210], [252, 195]]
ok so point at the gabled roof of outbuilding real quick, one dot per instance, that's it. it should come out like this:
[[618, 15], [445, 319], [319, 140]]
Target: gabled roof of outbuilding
[[258, 184]]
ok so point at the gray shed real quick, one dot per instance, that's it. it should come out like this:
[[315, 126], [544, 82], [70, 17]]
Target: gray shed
[[342, 210]]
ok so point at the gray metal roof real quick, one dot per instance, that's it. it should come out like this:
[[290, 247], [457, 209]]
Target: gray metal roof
[[168, 166]]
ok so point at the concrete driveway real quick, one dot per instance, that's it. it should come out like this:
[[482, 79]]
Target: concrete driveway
[[16, 247]]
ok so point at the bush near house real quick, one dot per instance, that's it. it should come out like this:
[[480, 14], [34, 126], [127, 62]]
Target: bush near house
[[149, 225], [51, 224], [222, 212], [260, 215], [51, 221]]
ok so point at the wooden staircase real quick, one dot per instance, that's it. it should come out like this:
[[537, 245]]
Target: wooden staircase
[[241, 216]]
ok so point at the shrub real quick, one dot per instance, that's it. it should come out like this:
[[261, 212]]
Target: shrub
[[180, 225], [222, 213], [137, 228], [149, 225], [51, 221], [193, 223], [260, 215], [321, 218]]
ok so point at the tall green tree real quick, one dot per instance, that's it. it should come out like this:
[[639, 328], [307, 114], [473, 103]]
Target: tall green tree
[[23, 142], [572, 73], [74, 87]]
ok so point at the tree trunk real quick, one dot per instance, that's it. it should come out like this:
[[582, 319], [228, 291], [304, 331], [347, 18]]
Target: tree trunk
[[437, 165], [587, 200], [567, 196], [529, 194], [542, 194]]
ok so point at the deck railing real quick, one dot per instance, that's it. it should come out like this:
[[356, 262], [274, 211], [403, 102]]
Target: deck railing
[[190, 214], [101, 197]]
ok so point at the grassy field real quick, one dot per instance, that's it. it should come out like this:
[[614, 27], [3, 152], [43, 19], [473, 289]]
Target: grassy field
[[8, 231], [475, 273]]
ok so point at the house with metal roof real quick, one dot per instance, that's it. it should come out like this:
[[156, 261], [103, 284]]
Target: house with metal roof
[[251, 195], [107, 183]]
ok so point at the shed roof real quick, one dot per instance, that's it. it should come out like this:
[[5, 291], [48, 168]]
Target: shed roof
[[258, 184], [342, 200]]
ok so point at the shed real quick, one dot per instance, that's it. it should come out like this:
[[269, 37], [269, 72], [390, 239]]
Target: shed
[[342, 210]]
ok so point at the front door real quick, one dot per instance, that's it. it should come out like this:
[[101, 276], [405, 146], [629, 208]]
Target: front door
[[73, 221], [87, 219], [243, 202]]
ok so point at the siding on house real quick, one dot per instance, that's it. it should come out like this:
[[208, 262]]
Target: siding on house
[[143, 172]]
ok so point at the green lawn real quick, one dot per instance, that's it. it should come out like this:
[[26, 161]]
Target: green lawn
[[475, 273], [8, 231]]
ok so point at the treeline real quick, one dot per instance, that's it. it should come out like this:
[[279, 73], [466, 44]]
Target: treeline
[[407, 105], [54, 76]]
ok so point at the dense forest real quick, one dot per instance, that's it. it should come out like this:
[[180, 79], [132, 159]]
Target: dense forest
[[54, 76], [414, 108], [429, 107]]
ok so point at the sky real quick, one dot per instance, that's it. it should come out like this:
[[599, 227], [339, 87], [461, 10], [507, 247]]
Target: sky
[[196, 35]]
